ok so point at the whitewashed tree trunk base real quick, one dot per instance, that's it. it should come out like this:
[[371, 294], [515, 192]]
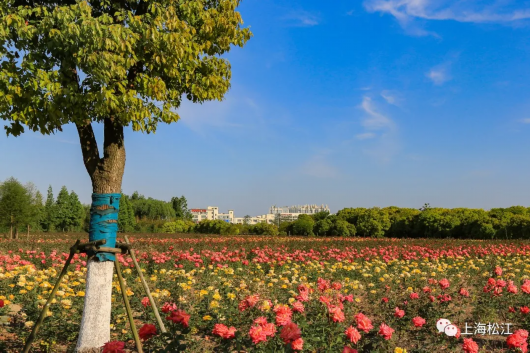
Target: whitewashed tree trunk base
[[95, 323]]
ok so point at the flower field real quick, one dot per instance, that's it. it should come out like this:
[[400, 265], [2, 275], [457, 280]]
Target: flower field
[[282, 294]]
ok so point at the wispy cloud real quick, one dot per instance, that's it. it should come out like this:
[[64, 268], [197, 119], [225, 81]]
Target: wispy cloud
[[525, 121], [407, 12], [301, 18], [365, 136], [440, 74], [392, 97], [373, 119], [381, 132], [318, 166]]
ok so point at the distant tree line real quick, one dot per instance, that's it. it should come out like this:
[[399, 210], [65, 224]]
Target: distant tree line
[[395, 222], [22, 208]]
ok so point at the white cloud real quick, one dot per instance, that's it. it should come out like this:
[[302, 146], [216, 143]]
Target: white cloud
[[391, 97], [439, 74], [407, 11], [381, 133], [374, 120], [301, 18], [525, 121], [365, 136]]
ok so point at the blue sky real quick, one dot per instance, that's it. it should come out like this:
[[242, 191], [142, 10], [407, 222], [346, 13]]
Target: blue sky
[[349, 103]]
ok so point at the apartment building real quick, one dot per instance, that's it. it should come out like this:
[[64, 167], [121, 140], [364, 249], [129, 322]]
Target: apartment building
[[211, 213], [275, 215]]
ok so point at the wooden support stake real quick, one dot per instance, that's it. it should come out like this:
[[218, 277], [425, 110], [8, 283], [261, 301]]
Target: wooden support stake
[[31, 337], [146, 287], [128, 307]]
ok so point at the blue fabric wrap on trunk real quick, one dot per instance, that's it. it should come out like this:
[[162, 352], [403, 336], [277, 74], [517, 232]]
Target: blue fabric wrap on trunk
[[104, 222]]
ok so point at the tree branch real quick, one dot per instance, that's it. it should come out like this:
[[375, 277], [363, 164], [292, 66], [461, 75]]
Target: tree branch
[[89, 147], [113, 135]]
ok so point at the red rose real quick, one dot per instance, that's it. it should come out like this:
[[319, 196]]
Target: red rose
[[418, 321], [1, 303], [399, 313], [114, 347], [224, 332], [352, 334], [297, 344], [526, 286], [257, 334], [147, 331], [347, 349], [386, 331], [518, 340], [337, 315], [524, 309], [298, 307], [463, 292], [384, 300], [290, 333], [512, 288], [414, 296], [498, 271], [363, 323], [179, 317], [470, 346], [443, 283]]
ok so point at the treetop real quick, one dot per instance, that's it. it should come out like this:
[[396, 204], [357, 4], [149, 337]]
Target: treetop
[[130, 60]]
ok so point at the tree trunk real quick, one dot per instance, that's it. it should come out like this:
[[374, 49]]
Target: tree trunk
[[11, 231], [16, 233], [106, 174], [28, 231]]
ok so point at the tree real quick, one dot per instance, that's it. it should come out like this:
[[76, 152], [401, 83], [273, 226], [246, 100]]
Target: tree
[[49, 211], [374, 222], [351, 215], [36, 207], [126, 220], [303, 225], [180, 205], [320, 215], [63, 212], [38, 211], [77, 213], [118, 63], [341, 228], [15, 206], [179, 226], [246, 220], [264, 228], [322, 227]]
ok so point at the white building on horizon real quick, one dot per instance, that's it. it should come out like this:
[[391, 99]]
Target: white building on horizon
[[211, 213], [275, 215]]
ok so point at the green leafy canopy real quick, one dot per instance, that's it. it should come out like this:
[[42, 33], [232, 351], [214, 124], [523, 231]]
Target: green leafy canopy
[[64, 61]]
